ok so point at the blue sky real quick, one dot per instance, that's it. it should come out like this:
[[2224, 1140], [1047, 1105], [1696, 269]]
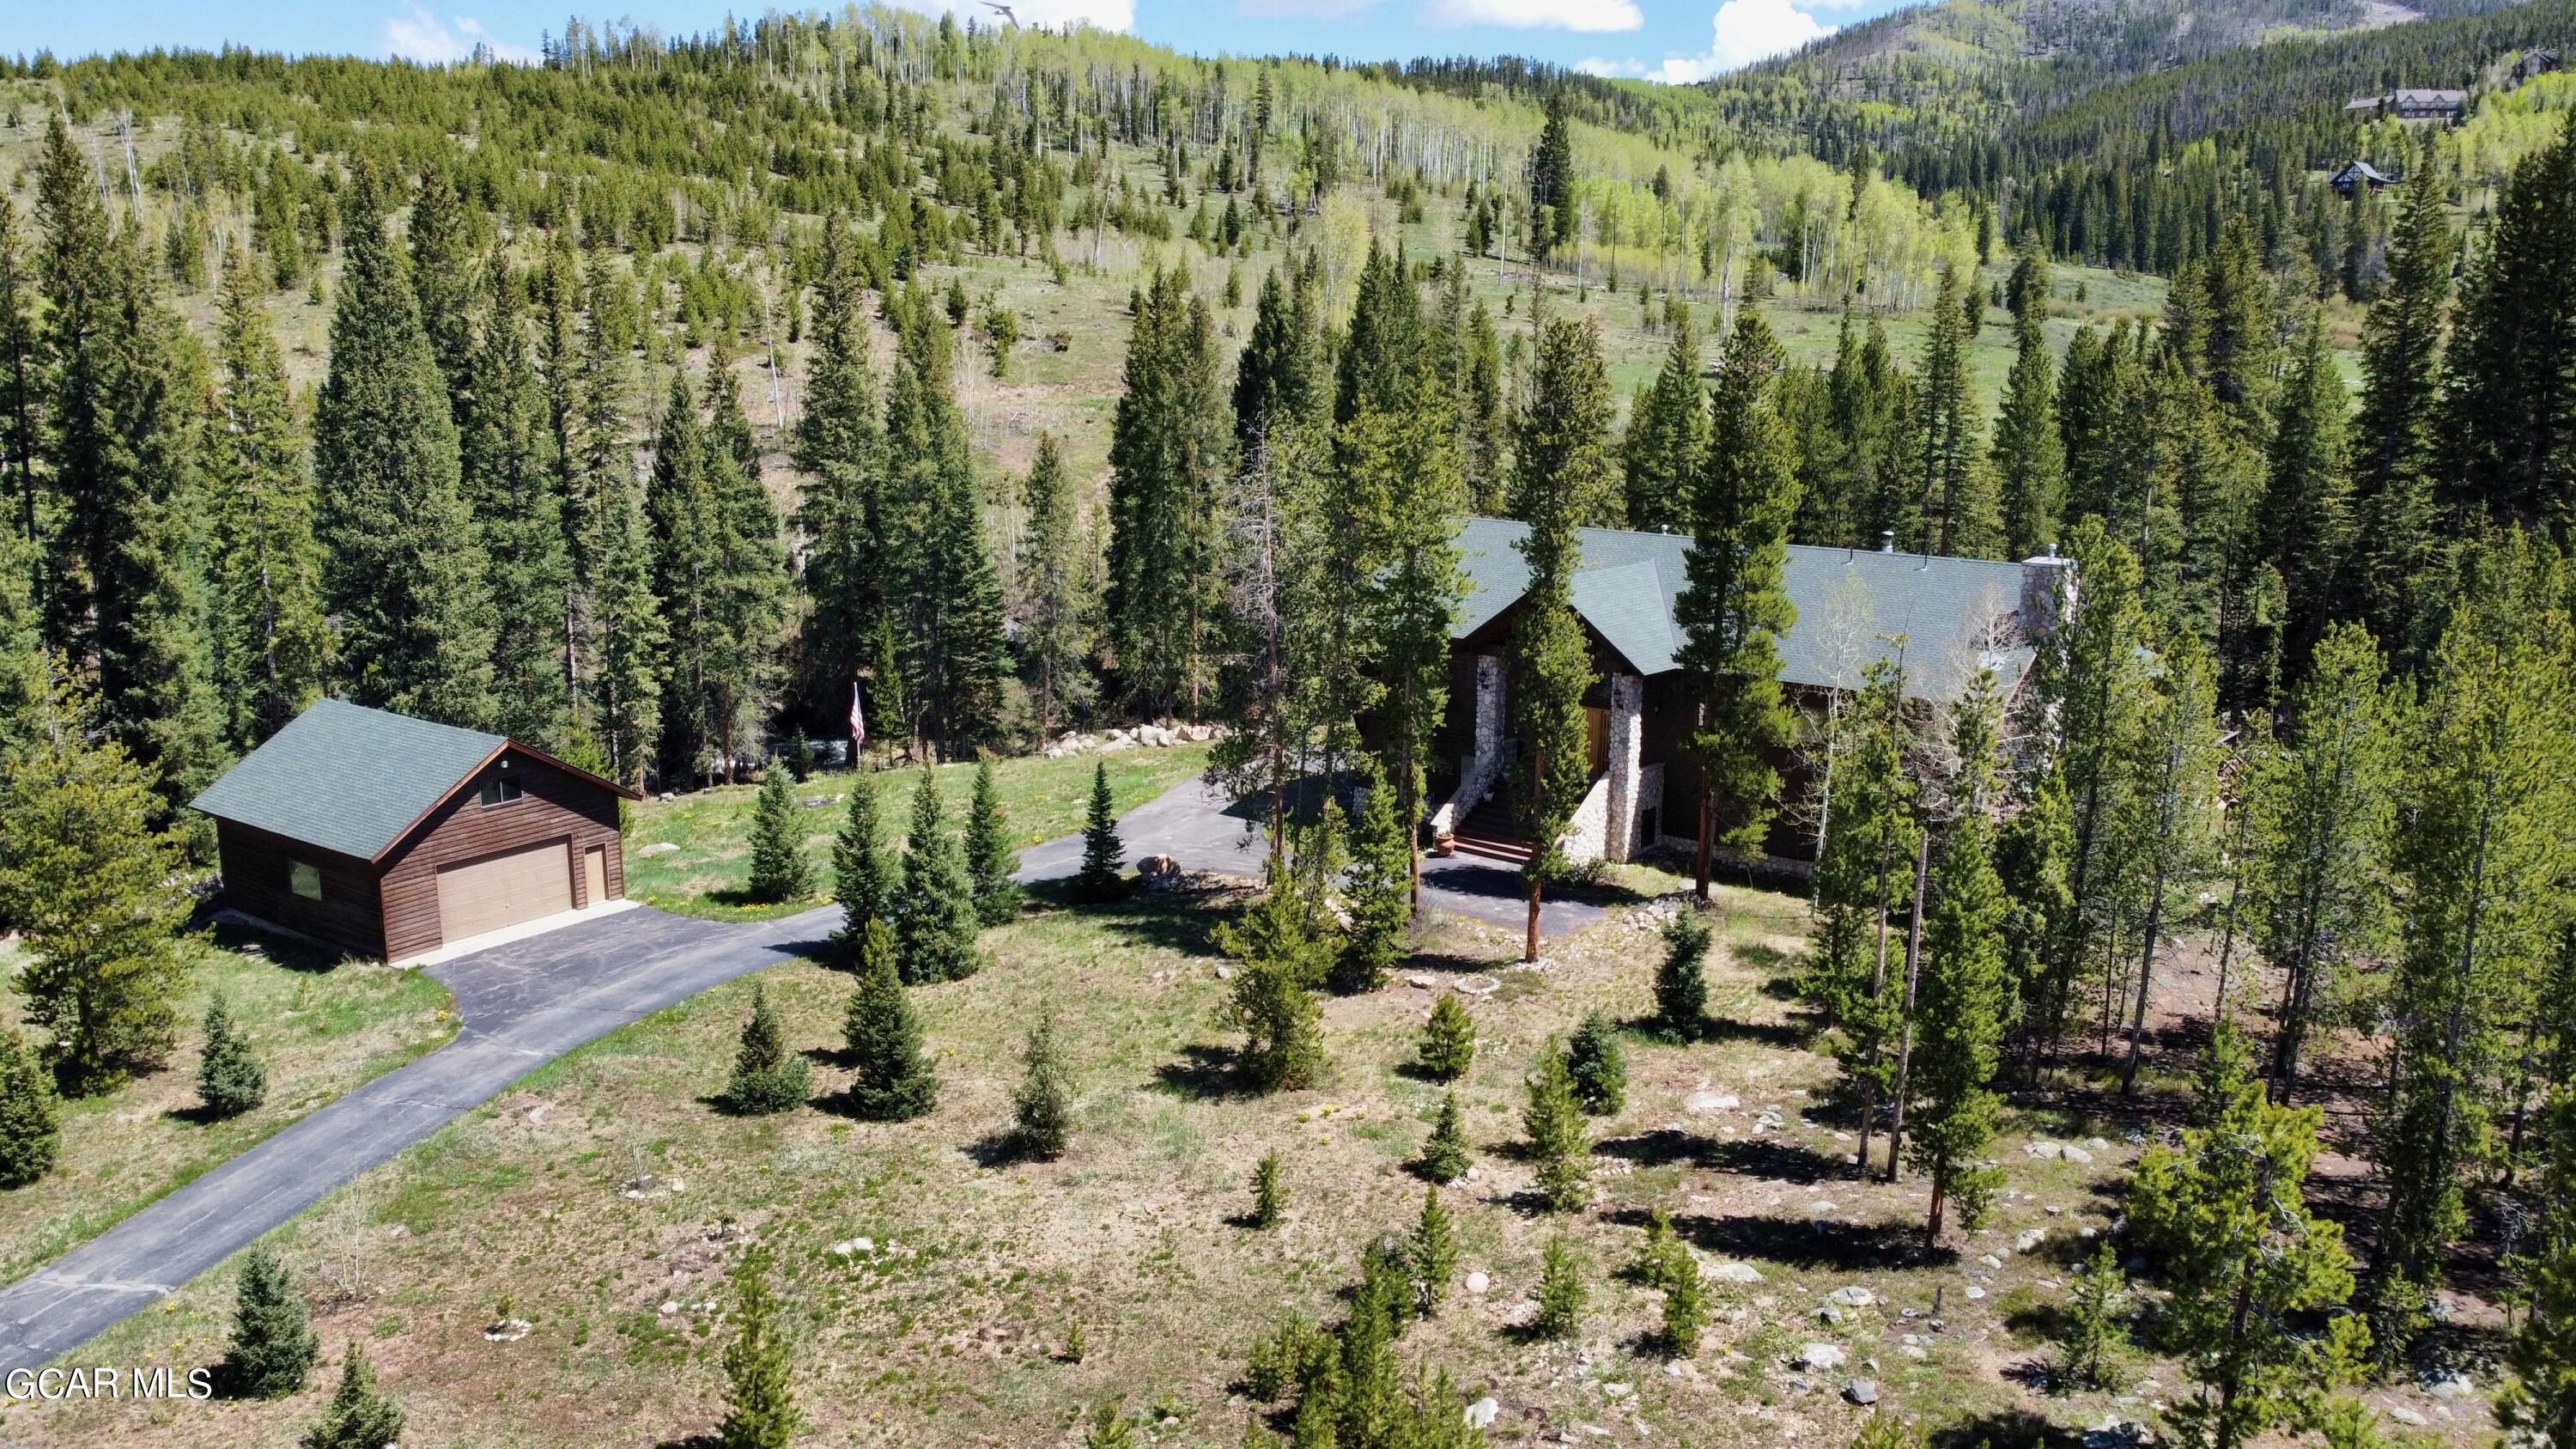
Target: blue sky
[[1677, 40]]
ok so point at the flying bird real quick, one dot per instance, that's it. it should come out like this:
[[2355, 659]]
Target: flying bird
[[1002, 10]]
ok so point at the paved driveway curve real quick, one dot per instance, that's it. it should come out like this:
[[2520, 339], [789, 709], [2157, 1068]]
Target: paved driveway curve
[[521, 1005], [1199, 827], [524, 1004]]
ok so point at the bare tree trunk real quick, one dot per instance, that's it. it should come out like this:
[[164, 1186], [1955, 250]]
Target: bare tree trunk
[[1913, 973]]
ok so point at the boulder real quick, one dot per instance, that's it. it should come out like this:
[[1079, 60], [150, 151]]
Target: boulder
[[1478, 1282], [2074, 1154], [1158, 868], [1822, 1357], [1482, 1413], [1861, 1391], [2029, 1239], [1733, 1273], [1709, 1102], [660, 847], [1854, 1296]]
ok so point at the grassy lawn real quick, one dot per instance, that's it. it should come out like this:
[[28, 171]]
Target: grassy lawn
[[951, 1327], [323, 1026], [1041, 798]]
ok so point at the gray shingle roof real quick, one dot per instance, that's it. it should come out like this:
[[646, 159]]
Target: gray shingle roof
[[1851, 603], [347, 778]]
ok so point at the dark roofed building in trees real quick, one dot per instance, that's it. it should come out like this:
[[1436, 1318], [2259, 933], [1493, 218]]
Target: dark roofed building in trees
[[1953, 616], [391, 837]]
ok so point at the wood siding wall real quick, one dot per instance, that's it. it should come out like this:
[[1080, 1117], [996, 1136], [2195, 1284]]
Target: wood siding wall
[[553, 806], [257, 882]]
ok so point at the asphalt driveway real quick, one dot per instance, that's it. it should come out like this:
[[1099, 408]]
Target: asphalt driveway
[[1201, 828], [521, 1004]]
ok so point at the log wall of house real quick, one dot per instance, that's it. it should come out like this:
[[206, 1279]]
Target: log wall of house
[[258, 881], [552, 806]]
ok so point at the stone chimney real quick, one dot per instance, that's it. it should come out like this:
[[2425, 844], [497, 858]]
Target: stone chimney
[[2047, 594]]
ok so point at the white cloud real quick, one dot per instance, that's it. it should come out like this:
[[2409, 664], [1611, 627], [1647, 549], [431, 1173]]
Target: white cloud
[[418, 34], [1582, 15], [1104, 14], [1313, 9], [1746, 31]]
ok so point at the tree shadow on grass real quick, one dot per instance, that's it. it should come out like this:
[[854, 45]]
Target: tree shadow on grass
[[1169, 922], [1786, 1035], [1845, 1247], [692, 1441], [1205, 1073], [2005, 1429], [1787, 1161]]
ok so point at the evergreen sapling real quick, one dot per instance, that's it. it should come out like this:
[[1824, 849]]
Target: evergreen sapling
[[937, 923], [30, 1115], [1681, 978], [1561, 1291], [1446, 1156], [894, 1082], [767, 1077], [1598, 1066], [359, 1415], [778, 868], [1269, 1196], [990, 861], [1043, 1111], [1554, 1121], [1432, 1255], [862, 877], [273, 1347], [1448, 1045], [1103, 855], [760, 1399], [230, 1081]]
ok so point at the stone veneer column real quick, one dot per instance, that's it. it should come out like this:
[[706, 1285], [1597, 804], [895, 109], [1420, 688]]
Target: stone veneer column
[[1627, 753], [1489, 708]]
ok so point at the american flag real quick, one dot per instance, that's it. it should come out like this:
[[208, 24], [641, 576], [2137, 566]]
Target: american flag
[[858, 722]]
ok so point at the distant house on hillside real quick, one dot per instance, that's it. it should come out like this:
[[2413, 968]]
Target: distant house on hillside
[[1955, 616], [2411, 104], [2358, 174], [2540, 60]]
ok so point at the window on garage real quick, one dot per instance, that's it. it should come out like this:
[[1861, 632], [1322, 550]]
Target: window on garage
[[305, 879]]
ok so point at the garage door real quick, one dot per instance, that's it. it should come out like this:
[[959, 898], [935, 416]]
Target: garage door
[[475, 896]]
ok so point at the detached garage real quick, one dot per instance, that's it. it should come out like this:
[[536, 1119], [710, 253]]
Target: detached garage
[[389, 836]]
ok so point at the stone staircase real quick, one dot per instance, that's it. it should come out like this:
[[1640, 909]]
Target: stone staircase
[[1488, 831]]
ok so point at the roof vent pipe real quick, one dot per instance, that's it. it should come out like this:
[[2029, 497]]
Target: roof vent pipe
[[1887, 540]]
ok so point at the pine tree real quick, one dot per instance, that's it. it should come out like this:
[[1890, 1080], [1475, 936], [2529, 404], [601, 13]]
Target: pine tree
[[77, 368], [401, 570], [1958, 510], [894, 1082], [1959, 1012], [952, 601], [842, 516], [513, 486], [2242, 1257], [2478, 856], [1735, 608], [1170, 447], [20, 395], [1560, 452], [30, 1117], [2319, 815], [863, 880], [96, 895], [1552, 207], [1562, 455], [1431, 1255], [2095, 1347], [767, 1077], [1269, 1196], [442, 275], [1561, 1291], [2508, 412], [1277, 378], [1667, 437], [1102, 876], [1598, 1065], [1864, 876], [2305, 520], [936, 922], [1558, 1145], [1273, 1001], [1056, 593], [230, 1081], [1376, 891], [1685, 1305], [272, 643], [1448, 1043], [2539, 1399], [1681, 977], [779, 870], [1108, 1429], [688, 545], [272, 1347], [1445, 1154], [1043, 1109], [359, 1415], [990, 861], [2029, 458], [2394, 457], [2171, 823], [759, 1365]]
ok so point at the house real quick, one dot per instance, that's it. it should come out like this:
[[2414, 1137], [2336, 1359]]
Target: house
[[390, 837], [2358, 174], [1955, 615], [2411, 104], [2537, 61]]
